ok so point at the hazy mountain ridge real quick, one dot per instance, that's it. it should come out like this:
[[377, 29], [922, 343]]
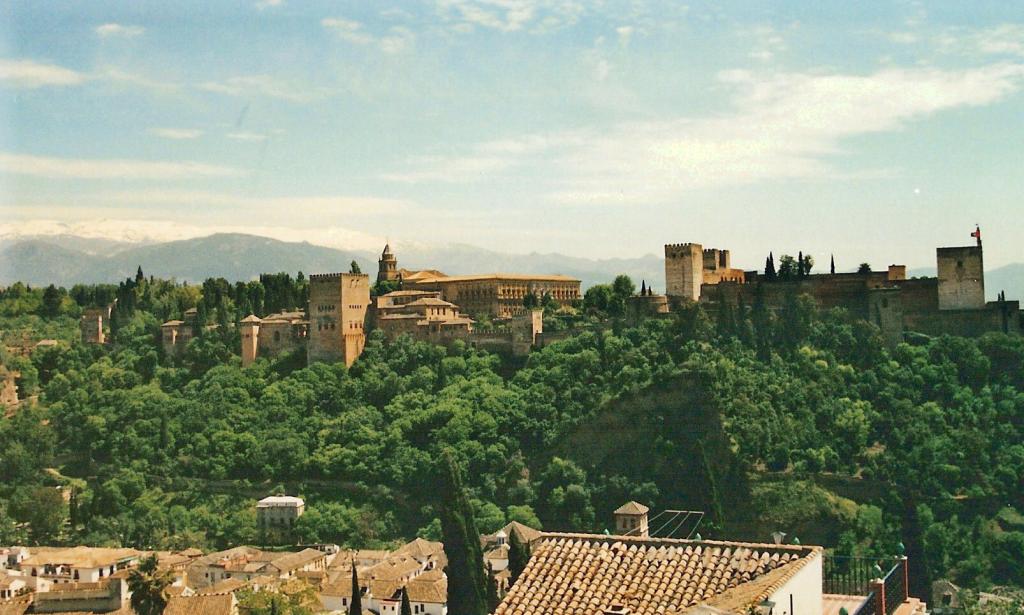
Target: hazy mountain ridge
[[66, 261]]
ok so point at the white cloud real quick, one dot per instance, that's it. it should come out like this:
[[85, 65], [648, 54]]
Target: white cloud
[[767, 43], [347, 30], [71, 168], [511, 15], [625, 34], [246, 136], [262, 85], [112, 30], [1002, 40], [30, 74], [780, 126], [396, 40], [176, 133], [266, 4]]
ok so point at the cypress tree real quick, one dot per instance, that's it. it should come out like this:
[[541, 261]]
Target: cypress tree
[[492, 590], [406, 607], [138, 276], [518, 556], [467, 586], [832, 265], [762, 325], [800, 272], [355, 607], [743, 330], [769, 267]]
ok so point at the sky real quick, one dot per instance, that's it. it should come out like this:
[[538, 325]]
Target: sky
[[875, 131]]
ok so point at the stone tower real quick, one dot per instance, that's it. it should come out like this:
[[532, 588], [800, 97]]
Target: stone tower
[[337, 313], [91, 325], [250, 330], [387, 266], [961, 278], [684, 270]]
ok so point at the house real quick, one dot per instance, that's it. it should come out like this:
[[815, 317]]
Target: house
[[248, 563], [211, 604], [634, 573], [11, 585], [78, 564], [279, 512], [586, 573], [416, 566]]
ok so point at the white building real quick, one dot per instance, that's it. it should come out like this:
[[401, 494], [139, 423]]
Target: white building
[[78, 564], [279, 512]]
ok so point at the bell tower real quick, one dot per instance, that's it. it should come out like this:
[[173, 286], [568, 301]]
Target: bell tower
[[387, 265]]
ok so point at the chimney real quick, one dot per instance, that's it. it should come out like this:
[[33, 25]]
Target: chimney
[[631, 519]]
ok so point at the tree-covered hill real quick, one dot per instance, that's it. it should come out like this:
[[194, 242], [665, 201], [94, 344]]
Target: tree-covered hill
[[799, 421]]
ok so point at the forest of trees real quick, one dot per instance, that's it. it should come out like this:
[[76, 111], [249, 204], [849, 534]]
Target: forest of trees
[[162, 452]]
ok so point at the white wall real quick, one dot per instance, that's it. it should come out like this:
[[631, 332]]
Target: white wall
[[804, 587]]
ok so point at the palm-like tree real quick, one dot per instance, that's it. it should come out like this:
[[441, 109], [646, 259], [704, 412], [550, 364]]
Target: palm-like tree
[[148, 583]]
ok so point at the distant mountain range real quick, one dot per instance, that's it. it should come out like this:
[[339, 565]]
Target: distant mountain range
[[68, 259]]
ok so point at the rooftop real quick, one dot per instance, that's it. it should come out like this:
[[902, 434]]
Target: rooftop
[[212, 604], [585, 573], [81, 557], [280, 500], [632, 508]]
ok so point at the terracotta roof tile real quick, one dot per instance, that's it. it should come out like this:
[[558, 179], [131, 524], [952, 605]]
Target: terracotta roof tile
[[213, 604], [581, 574]]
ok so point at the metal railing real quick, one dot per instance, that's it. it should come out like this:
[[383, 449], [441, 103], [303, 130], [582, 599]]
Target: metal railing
[[895, 583], [869, 606], [851, 575], [859, 576]]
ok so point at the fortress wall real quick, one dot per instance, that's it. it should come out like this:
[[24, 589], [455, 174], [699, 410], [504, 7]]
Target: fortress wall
[[967, 323]]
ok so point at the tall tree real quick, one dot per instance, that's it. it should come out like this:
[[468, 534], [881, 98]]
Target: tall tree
[[355, 607], [800, 271], [832, 265], [406, 607], [467, 587], [518, 556], [51, 301], [769, 267], [139, 277], [492, 590], [148, 582], [354, 267]]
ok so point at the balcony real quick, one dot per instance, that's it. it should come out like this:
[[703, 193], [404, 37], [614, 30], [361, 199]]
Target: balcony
[[866, 586]]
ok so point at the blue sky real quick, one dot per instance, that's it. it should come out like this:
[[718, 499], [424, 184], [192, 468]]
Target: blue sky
[[875, 131]]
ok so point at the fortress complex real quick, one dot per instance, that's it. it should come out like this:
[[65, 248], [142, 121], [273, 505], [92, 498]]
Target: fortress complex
[[953, 302], [499, 295], [340, 310]]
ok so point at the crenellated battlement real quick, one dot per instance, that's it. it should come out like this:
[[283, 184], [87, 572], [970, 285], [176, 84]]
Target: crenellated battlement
[[321, 277]]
